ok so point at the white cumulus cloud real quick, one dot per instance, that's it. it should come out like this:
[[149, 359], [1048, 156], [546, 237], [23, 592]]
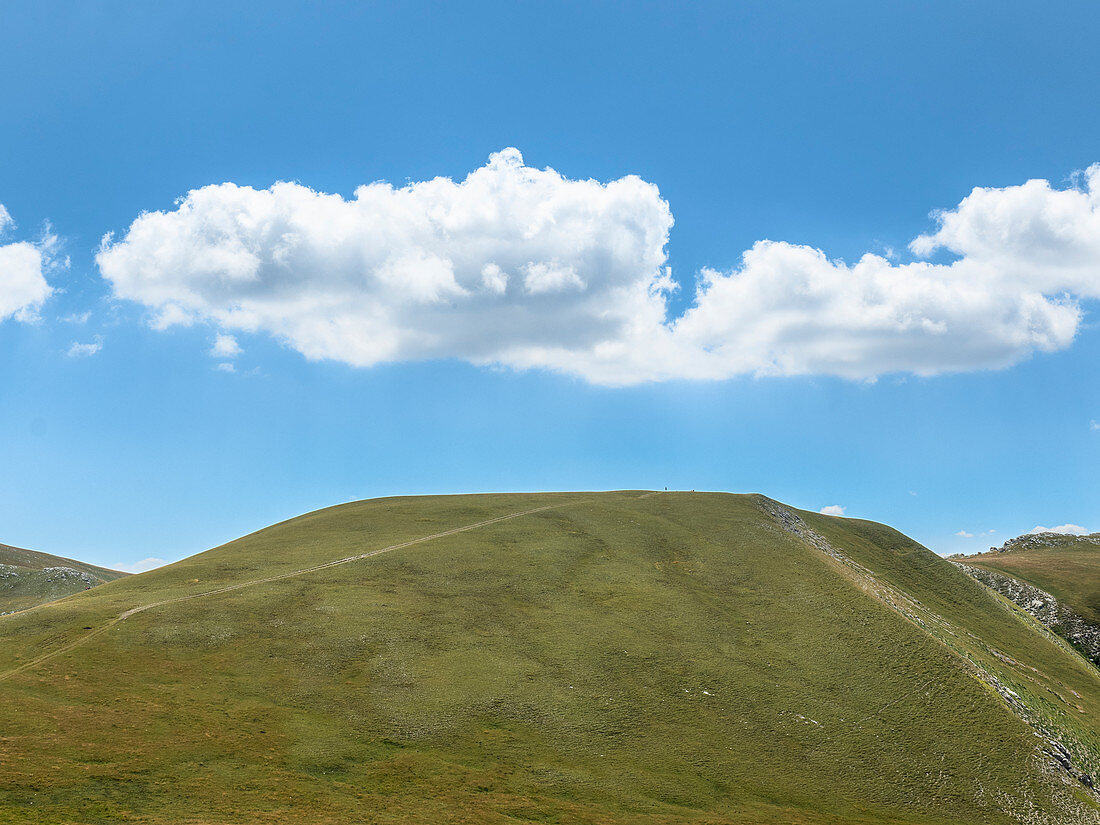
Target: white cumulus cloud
[[141, 566], [23, 286], [512, 265], [527, 268], [1063, 529], [966, 534], [78, 350], [225, 346], [833, 510]]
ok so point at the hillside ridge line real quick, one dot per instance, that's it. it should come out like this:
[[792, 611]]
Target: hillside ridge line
[[267, 579]]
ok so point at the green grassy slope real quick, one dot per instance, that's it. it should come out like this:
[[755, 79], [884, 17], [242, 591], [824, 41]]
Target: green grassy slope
[[985, 630], [29, 578], [1069, 571], [678, 658]]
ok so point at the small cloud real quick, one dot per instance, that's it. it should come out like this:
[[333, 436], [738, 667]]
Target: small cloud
[[964, 534], [171, 315], [78, 350], [1094, 425], [833, 510], [23, 269], [225, 367], [912, 493], [1061, 529], [141, 566], [77, 318], [494, 279], [225, 346]]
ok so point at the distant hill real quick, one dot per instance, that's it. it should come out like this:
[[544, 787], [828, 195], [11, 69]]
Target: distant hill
[[561, 658], [29, 578], [1047, 541], [1055, 577]]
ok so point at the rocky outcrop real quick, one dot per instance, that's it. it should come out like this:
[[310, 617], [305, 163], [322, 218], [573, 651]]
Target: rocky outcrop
[[1032, 541], [70, 574], [24, 587], [1063, 620]]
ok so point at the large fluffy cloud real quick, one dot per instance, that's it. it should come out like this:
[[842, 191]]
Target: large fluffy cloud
[[790, 310], [507, 265], [23, 285], [527, 268]]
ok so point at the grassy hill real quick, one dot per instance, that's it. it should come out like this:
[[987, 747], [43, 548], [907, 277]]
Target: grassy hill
[[29, 578], [1067, 567], [560, 658]]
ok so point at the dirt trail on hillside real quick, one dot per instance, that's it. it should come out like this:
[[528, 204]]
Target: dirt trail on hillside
[[252, 582]]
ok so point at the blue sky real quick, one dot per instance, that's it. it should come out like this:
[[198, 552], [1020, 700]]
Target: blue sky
[[840, 130]]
